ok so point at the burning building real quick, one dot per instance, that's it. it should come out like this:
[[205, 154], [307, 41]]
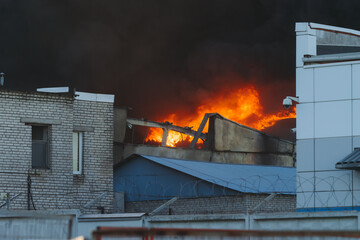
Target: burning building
[[217, 138]]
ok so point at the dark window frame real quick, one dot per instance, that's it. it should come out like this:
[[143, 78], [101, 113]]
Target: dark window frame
[[40, 146]]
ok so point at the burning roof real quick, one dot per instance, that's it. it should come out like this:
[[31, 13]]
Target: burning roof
[[242, 105]]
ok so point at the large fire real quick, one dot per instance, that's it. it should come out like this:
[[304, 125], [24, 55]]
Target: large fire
[[241, 105]]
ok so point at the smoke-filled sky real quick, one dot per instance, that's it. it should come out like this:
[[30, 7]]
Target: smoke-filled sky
[[160, 55]]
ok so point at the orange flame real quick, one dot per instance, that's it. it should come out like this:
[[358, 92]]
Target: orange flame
[[242, 106]]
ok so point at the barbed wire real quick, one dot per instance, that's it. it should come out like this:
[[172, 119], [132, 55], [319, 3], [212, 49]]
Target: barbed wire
[[240, 194], [328, 192], [236, 195], [167, 187], [320, 192], [44, 200]]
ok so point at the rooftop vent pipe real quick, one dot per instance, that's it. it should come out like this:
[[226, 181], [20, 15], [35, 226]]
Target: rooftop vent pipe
[[2, 79]]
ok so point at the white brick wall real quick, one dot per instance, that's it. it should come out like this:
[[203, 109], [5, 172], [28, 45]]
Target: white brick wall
[[97, 174], [57, 187]]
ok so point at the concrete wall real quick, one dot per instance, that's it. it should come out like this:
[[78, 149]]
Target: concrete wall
[[333, 221], [89, 222], [285, 160], [217, 221], [66, 224], [326, 221], [234, 137], [120, 115], [328, 126], [56, 187], [228, 141]]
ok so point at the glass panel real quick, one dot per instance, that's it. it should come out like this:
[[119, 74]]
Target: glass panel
[[39, 153], [39, 147], [75, 151], [38, 133]]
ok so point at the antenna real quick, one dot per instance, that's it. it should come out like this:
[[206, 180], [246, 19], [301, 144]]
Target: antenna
[[2, 79]]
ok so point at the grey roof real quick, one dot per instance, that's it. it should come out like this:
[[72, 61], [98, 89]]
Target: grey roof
[[239, 177], [351, 161]]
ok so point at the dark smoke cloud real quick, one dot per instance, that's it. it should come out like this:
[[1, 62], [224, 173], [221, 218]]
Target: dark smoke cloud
[[157, 56]]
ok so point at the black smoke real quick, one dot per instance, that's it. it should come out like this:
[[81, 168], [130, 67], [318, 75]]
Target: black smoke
[[161, 55]]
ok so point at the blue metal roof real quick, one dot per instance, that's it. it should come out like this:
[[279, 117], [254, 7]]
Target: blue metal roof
[[239, 177]]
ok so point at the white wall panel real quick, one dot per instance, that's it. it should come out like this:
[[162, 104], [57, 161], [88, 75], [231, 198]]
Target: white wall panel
[[333, 199], [305, 45], [305, 155], [356, 80], [305, 84], [332, 83], [356, 198], [333, 181], [305, 121], [356, 180], [305, 200], [356, 142], [333, 119], [328, 151], [356, 117], [305, 182]]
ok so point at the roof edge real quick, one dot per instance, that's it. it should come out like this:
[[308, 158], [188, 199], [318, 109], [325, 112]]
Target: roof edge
[[329, 28]]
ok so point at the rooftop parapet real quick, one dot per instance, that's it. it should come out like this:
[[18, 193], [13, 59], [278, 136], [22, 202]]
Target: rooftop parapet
[[313, 39], [95, 97]]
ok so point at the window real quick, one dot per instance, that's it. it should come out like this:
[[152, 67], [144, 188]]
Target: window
[[77, 152], [40, 147]]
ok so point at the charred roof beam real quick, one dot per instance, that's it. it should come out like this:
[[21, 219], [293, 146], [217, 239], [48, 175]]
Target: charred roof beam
[[165, 126], [200, 129]]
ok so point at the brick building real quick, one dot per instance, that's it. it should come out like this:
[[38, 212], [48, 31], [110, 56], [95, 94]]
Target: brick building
[[57, 149]]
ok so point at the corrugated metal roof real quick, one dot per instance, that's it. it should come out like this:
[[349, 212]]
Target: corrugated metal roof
[[239, 177], [351, 161]]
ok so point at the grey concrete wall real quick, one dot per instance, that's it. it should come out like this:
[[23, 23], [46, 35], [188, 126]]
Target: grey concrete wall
[[89, 222], [120, 115], [206, 221], [326, 221], [62, 224], [217, 205], [333, 221], [231, 136], [56, 187], [208, 156]]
